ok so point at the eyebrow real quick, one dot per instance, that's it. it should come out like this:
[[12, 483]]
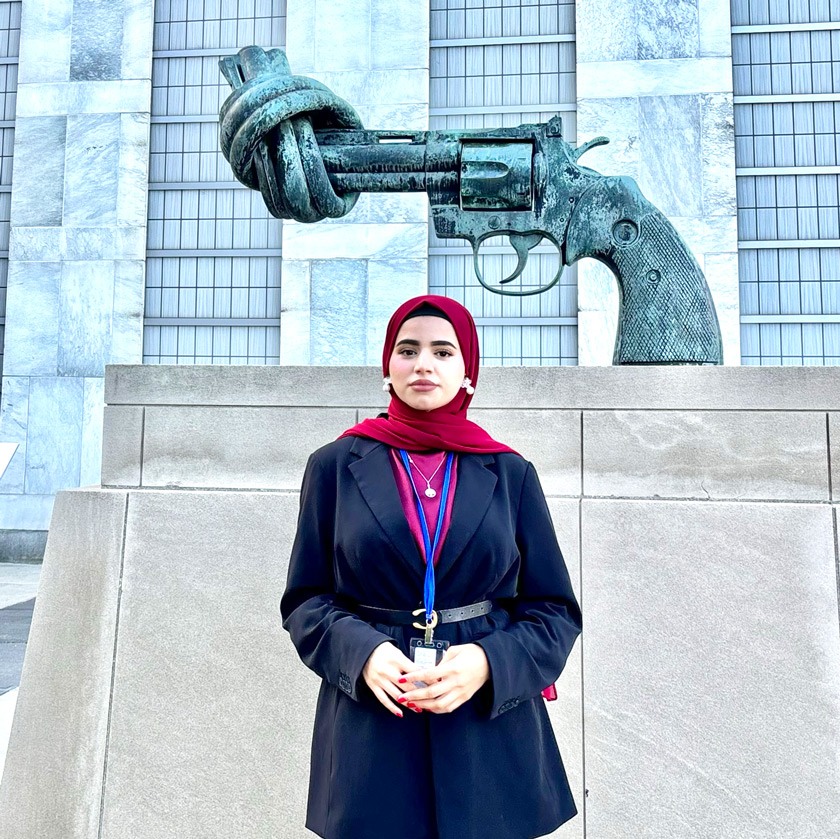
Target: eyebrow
[[414, 343]]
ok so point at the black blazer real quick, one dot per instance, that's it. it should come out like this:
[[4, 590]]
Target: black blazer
[[490, 769]]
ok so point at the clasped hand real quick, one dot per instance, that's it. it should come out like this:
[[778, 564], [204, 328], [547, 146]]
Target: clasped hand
[[391, 676]]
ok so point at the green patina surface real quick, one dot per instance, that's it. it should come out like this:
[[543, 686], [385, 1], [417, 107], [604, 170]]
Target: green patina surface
[[309, 155]]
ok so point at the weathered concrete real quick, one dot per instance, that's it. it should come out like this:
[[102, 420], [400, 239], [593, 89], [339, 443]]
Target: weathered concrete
[[558, 388], [60, 727], [712, 660], [708, 675]]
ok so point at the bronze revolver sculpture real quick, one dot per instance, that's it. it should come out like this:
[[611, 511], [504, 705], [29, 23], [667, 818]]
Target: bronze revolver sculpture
[[309, 155]]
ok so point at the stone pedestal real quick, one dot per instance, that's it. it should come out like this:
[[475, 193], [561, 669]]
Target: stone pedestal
[[696, 508]]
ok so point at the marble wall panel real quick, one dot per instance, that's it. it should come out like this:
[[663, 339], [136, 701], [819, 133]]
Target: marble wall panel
[[352, 85], [399, 33], [705, 454], [39, 147], [89, 243], [339, 311], [215, 676], [66, 676], [295, 332], [133, 170], [715, 31], [342, 35], [86, 307], [90, 470], [606, 31], [707, 234], [45, 42], [122, 445], [658, 77], [235, 447], [697, 723], [56, 407], [386, 207], [721, 270], [34, 244], [96, 41], [399, 87], [301, 37], [667, 29], [95, 97], [91, 169], [617, 118], [137, 26], [14, 415], [717, 156], [127, 315], [550, 439], [354, 241], [25, 512], [411, 117], [598, 303], [32, 312], [670, 174], [390, 282]]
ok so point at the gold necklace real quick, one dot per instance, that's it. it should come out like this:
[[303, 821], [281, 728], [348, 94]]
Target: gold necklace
[[428, 492]]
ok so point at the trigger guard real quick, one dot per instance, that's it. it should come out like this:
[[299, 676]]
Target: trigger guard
[[520, 267]]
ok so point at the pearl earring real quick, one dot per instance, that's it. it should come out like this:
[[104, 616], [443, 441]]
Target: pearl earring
[[386, 384], [467, 385]]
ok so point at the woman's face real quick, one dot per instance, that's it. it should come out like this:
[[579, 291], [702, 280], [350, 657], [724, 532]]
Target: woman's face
[[426, 367]]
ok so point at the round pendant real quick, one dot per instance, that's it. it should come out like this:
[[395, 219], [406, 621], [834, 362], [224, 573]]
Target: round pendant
[[429, 492]]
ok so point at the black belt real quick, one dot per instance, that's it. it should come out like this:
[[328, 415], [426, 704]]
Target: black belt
[[395, 617]]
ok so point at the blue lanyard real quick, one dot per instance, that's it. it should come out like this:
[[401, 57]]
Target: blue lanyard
[[429, 545]]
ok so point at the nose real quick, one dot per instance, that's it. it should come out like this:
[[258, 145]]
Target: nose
[[423, 360]]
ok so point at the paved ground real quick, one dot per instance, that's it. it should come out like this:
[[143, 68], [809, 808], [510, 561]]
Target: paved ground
[[18, 586]]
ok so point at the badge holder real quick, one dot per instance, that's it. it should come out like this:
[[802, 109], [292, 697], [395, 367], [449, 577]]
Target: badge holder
[[426, 651]]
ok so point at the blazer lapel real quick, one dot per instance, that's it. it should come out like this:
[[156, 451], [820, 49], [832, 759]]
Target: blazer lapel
[[473, 494], [375, 478]]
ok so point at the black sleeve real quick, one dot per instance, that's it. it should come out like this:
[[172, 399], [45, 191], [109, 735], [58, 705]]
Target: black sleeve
[[530, 654], [330, 640]]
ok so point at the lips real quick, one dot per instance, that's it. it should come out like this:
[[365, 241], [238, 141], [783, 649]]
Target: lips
[[422, 385]]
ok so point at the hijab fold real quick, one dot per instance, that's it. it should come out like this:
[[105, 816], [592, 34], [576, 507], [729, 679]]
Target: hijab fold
[[445, 428]]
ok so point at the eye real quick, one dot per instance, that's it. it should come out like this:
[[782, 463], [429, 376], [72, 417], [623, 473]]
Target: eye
[[407, 352]]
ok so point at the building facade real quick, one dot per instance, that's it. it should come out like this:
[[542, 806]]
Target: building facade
[[125, 239]]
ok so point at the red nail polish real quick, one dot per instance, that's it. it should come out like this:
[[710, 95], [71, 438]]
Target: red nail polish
[[400, 699], [402, 681], [412, 706], [399, 714]]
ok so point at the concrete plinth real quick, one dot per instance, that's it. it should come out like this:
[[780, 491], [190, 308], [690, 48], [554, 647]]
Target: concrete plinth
[[695, 509]]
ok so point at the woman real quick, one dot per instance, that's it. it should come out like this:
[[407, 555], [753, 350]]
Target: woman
[[436, 732]]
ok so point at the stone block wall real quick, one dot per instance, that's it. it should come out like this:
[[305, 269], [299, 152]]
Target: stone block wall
[[697, 511], [77, 244]]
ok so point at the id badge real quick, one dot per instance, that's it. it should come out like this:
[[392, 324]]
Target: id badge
[[427, 654]]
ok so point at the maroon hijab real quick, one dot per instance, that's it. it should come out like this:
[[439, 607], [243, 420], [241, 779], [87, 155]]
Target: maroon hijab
[[445, 428]]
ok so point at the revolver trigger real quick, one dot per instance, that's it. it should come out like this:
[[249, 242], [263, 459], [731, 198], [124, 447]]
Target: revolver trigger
[[521, 243]]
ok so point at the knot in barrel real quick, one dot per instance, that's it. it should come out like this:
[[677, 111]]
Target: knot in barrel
[[267, 134]]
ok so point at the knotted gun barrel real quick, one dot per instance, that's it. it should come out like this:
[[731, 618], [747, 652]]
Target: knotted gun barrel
[[305, 149]]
